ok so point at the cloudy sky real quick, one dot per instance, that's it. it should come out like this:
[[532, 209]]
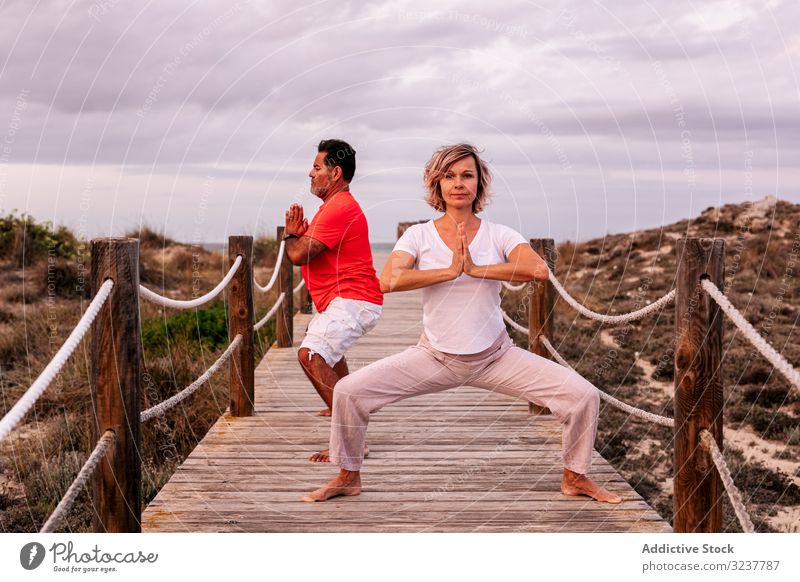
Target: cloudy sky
[[203, 117]]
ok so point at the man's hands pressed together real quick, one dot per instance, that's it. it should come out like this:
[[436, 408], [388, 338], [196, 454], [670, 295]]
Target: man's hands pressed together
[[296, 224], [300, 249]]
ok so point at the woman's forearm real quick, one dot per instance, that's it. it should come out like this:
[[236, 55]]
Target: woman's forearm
[[409, 279], [512, 272]]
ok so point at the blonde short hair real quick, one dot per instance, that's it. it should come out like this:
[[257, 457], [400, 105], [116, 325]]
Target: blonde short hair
[[441, 161]]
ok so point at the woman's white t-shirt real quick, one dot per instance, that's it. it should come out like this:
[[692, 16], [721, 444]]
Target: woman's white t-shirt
[[461, 316]]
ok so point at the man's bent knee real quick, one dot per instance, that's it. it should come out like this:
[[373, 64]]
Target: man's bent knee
[[308, 358]]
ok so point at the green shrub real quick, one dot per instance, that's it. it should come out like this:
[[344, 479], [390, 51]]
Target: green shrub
[[25, 242], [207, 326]]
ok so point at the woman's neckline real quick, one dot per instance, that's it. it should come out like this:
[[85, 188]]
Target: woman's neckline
[[442, 241]]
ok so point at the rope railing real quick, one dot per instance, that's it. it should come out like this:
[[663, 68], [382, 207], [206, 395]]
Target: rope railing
[[511, 287], [514, 324], [24, 404], [636, 412], [270, 313], [123, 391], [771, 354], [66, 503], [275, 271], [609, 319], [119, 386], [171, 402], [191, 303], [710, 445]]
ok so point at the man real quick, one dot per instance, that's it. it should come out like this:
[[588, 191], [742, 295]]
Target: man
[[337, 267]]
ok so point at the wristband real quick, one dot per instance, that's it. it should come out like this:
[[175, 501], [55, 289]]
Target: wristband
[[288, 236]]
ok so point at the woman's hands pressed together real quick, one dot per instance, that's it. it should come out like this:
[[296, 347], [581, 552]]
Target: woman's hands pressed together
[[462, 259], [469, 268], [457, 266]]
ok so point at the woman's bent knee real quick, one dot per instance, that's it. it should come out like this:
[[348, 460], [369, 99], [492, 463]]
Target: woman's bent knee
[[346, 387], [588, 396], [581, 397]]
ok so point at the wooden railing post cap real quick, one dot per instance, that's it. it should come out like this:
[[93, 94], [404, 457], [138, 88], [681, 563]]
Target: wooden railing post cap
[[114, 240]]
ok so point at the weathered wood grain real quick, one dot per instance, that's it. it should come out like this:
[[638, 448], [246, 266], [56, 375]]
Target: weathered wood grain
[[240, 321], [115, 381], [698, 386], [284, 328]]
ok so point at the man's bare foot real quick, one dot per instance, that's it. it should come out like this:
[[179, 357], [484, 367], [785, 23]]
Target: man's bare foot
[[326, 412], [325, 456], [576, 484], [346, 483]]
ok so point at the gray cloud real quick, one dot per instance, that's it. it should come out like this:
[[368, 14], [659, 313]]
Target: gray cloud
[[584, 109]]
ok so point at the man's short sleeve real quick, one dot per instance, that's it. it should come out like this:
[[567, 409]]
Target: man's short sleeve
[[409, 241], [330, 225], [509, 239]]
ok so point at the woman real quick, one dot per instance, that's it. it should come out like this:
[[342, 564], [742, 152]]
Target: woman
[[459, 260]]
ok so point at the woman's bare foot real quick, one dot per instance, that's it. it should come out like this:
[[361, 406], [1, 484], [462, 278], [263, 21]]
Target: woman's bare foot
[[346, 483], [326, 412], [325, 456], [576, 484]]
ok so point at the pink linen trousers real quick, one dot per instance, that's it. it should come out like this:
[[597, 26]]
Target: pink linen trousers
[[502, 368]]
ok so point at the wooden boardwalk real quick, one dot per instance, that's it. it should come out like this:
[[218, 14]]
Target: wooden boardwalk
[[459, 461]]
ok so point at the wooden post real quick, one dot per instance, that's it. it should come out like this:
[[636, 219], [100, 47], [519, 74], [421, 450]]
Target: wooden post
[[240, 321], [540, 308], [305, 300], [698, 386], [115, 380], [284, 328]]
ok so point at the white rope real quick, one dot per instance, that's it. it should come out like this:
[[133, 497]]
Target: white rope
[[161, 408], [190, 303], [514, 324], [24, 404], [710, 445], [511, 287], [299, 286], [270, 313], [275, 271], [55, 519], [776, 359], [643, 414], [610, 319]]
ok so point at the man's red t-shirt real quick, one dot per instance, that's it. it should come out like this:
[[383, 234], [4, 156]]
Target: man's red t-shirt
[[345, 268]]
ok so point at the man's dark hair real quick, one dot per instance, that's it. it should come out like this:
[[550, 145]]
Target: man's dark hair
[[339, 153]]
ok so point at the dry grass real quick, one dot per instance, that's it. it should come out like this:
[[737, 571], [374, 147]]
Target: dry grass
[[40, 458]]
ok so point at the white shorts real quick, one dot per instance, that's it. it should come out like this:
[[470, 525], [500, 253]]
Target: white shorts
[[331, 333]]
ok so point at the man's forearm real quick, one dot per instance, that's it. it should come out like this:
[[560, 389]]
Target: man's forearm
[[297, 250]]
